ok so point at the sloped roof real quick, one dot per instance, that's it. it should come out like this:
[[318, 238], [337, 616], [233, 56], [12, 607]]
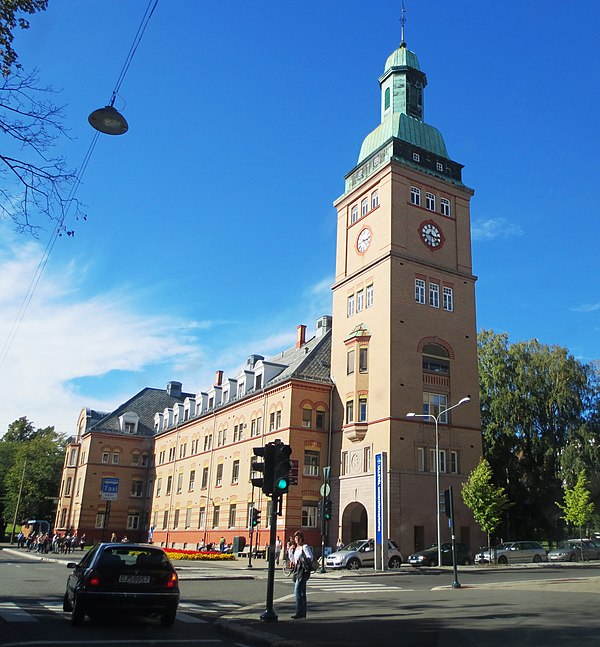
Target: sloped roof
[[312, 361]]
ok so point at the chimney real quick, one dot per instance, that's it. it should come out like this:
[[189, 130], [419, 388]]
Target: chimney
[[218, 378], [174, 389], [300, 335], [323, 325]]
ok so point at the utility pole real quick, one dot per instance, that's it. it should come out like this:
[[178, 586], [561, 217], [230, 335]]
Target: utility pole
[[12, 534]]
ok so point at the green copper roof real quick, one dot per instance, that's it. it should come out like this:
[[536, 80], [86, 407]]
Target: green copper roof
[[406, 128], [402, 57]]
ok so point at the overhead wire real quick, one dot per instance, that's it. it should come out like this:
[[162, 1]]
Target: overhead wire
[[78, 177]]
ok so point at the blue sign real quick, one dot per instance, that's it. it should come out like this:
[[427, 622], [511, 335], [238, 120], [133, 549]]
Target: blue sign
[[110, 488], [379, 499]]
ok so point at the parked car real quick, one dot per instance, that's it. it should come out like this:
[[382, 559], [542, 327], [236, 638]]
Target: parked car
[[429, 556], [131, 578], [570, 551], [512, 552], [361, 553]]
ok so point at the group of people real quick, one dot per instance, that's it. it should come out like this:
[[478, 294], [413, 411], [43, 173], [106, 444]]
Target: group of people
[[44, 542]]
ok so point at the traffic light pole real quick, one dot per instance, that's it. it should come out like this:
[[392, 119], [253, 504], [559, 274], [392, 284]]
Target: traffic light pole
[[450, 514], [269, 615]]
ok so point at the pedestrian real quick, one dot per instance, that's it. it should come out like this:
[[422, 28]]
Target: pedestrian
[[125, 540], [303, 557], [113, 537], [222, 544], [340, 544], [278, 546], [82, 541]]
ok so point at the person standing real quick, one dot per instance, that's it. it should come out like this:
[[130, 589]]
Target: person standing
[[340, 544], [303, 557], [278, 547]]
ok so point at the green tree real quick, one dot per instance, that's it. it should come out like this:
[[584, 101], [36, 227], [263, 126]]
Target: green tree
[[9, 21], [487, 501], [533, 398], [20, 430], [576, 506]]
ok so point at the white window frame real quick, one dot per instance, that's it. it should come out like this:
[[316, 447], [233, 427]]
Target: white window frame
[[448, 298], [309, 515], [416, 157], [369, 296], [350, 309], [360, 300], [454, 464], [137, 488], [105, 458], [443, 463], [99, 520], [362, 409], [364, 207], [439, 166], [415, 196], [429, 201], [434, 295], [445, 207], [375, 199], [219, 475], [312, 462], [421, 464], [354, 214], [133, 521], [235, 471], [420, 291], [433, 403]]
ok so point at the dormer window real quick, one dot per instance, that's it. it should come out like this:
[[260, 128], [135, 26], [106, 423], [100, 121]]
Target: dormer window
[[128, 422]]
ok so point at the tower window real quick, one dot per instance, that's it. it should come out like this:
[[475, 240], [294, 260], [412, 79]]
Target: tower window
[[363, 359], [362, 409], [416, 157], [375, 199], [360, 299], [369, 295], [354, 214], [419, 290], [386, 100], [350, 305], [349, 411], [434, 295], [430, 201], [364, 207], [439, 166], [350, 362], [433, 403], [445, 206], [448, 299], [415, 196]]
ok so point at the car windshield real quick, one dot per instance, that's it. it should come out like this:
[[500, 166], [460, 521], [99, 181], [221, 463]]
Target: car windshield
[[134, 556], [565, 544], [504, 546], [355, 545]]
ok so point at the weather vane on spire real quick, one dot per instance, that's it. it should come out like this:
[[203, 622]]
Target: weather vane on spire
[[403, 22]]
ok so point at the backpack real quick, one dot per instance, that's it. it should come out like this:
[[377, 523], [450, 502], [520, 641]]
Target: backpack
[[305, 564]]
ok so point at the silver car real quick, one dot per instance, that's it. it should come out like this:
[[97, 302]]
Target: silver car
[[361, 553], [513, 552], [570, 551]]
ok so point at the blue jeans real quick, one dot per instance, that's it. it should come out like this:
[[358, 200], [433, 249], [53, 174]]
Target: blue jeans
[[300, 593]]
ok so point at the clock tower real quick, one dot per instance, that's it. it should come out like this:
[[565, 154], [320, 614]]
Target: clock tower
[[404, 329]]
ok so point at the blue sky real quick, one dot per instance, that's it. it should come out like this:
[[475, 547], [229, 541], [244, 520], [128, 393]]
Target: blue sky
[[211, 232]]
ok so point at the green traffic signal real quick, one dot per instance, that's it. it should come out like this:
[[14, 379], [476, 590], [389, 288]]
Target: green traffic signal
[[281, 468]]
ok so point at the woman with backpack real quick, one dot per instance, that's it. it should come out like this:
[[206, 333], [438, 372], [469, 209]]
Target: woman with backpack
[[303, 558]]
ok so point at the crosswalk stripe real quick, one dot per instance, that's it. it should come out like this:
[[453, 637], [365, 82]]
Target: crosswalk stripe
[[10, 612], [184, 617]]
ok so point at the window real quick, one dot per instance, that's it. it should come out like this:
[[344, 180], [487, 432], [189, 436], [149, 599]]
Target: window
[[364, 207], [432, 462], [73, 457], [415, 196], [135, 459], [202, 518], [311, 462], [204, 478], [349, 411], [363, 355], [375, 199], [448, 299], [216, 513], [419, 290], [350, 305], [320, 421], [307, 417], [362, 409], [68, 488], [130, 428], [454, 462], [144, 460], [430, 201], [369, 295], [133, 518], [416, 157], [439, 166], [158, 486], [445, 206], [188, 518], [253, 427], [436, 365], [179, 482], [433, 403], [137, 487], [176, 519], [235, 433], [172, 454], [235, 471], [278, 419], [367, 459], [272, 421], [169, 484], [165, 519], [421, 459], [99, 519], [354, 214], [442, 460], [309, 515], [232, 513], [344, 464], [360, 300], [182, 450], [116, 458], [219, 479], [192, 481], [350, 362], [386, 99], [434, 295]]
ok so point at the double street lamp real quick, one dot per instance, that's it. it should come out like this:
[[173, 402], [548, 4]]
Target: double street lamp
[[436, 419]]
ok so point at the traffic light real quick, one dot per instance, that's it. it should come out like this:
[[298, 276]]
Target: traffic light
[[267, 453], [255, 517], [282, 467], [448, 503], [327, 510]]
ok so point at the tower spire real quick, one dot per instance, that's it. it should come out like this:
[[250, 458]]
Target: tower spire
[[403, 23]]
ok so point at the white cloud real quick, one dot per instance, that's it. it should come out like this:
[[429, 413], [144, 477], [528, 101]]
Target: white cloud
[[67, 335], [587, 307], [494, 228]]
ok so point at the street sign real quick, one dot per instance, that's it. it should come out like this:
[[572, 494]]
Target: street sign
[[110, 489], [325, 489]]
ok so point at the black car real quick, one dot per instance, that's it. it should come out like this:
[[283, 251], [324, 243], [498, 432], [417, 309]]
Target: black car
[[132, 578], [429, 556]]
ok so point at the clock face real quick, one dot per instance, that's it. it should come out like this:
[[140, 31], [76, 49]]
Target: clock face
[[364, 240], [431, 234]]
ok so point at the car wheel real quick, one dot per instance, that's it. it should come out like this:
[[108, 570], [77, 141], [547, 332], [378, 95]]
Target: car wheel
[[502, 560], [466, 561], [77, 613], [572, 557], [537, 559], [432, 562], [353, 564], [395, 562], [66, 604], [167, 618]]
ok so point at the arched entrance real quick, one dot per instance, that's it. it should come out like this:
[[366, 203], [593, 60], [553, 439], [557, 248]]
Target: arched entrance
[[354, 522]]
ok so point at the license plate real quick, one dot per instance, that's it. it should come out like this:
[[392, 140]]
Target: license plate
[[134, 579]]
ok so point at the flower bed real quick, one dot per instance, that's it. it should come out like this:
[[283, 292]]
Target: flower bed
[[211, 555]]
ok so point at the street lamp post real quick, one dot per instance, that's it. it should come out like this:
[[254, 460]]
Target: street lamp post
[[208, 498], [436, 419]]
